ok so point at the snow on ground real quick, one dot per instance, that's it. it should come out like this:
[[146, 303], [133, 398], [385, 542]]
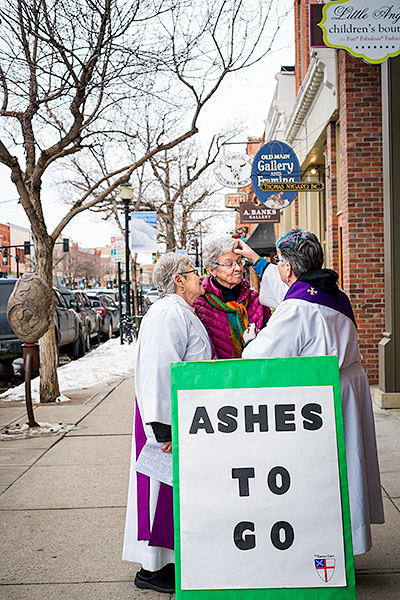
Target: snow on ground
[[108, 363]]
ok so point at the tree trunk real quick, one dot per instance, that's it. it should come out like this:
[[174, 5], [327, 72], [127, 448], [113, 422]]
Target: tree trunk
[[169, 229], [49, 389]]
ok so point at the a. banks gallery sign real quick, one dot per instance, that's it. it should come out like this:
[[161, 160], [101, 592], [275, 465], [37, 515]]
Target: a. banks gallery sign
[[275, 162], [367, 29]]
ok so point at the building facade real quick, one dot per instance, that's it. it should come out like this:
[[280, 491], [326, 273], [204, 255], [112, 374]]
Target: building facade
[[332, 118]]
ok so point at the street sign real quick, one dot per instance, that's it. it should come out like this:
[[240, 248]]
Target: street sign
[[275, 162], [261, 506], [249, 213], [288, 186], [117, 248], [235, 200]]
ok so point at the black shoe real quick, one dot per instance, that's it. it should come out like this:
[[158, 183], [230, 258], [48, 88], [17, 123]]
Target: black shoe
[[160, 581]]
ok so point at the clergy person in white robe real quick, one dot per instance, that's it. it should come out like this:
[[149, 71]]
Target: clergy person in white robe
[[313, 317], [170, 332]]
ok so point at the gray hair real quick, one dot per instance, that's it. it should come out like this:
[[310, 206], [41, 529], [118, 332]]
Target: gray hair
[[302, 250], [167, 266], [215, 248]]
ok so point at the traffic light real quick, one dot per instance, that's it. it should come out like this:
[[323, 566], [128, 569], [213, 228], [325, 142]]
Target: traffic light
[[5, 256], [27, 247], [154, 257], [65, 244]]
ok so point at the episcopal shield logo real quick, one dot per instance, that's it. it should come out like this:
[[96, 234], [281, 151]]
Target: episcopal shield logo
[[325, 568]]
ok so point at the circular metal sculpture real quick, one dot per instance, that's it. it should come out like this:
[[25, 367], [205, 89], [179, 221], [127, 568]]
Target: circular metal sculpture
[[28, 308]]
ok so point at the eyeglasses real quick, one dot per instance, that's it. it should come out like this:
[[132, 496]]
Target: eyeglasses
[[187, 272], [277, 259], [231, 265]]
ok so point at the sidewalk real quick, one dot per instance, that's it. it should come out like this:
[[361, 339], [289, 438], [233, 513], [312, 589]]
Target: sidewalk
[[63, 501]]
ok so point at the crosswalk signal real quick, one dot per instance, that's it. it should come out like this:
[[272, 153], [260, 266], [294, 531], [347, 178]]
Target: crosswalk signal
[[66, 245]]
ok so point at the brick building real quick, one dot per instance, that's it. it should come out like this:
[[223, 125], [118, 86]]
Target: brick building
[[77, 267], [4, 258], [332, 118]]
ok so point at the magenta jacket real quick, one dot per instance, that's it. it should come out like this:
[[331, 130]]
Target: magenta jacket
[[216, 321]]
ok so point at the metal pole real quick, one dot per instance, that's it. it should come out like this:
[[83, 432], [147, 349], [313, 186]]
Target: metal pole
[[121, 341], [30, 354], [127, 256]]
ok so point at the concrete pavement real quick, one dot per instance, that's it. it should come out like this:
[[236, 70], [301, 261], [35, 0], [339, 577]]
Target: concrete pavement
[[63, 498]]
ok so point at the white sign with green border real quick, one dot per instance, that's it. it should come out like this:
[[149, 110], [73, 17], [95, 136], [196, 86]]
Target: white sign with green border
[[367, 29], [260, 486]]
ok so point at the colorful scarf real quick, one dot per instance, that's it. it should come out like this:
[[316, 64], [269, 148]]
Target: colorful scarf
[[238, 320]]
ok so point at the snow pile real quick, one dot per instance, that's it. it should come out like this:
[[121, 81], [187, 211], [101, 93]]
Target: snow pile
[[108, 363]]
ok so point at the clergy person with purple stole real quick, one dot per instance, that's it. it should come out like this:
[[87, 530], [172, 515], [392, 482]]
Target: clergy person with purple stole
[[170, 332], [314, 317]]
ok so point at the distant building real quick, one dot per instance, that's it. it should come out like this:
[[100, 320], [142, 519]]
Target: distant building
[[18, 237], [5, 267]]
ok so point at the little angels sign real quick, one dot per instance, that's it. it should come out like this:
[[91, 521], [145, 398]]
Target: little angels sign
[[367, 29]]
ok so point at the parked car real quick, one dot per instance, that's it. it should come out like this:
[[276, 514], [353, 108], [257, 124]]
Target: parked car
[[68, 328], [10, 345], [109, 312], [152, 295], [69, 334], [90, 318], [112, 292]]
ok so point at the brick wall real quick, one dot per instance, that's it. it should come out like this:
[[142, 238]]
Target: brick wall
[[331, 197], [360, 118], [301, 19]]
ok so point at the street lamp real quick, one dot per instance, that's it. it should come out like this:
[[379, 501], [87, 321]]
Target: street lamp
[[126, 195]]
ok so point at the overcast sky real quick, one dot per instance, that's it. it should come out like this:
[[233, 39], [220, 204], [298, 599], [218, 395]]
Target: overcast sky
[[245, 97]]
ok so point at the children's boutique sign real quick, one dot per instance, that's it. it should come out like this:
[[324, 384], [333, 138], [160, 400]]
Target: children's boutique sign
[[367, 29]]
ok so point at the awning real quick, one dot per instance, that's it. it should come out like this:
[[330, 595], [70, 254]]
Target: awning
[[263, 240]]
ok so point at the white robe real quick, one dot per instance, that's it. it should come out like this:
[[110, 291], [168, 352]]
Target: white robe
[[170, 332], [301, 328]]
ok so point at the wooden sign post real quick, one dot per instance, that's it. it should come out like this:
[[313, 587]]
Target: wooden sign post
[[260, 485]]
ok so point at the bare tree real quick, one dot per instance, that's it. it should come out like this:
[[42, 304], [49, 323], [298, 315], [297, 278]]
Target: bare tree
[[79, 76], [176, 184], [182, 185]]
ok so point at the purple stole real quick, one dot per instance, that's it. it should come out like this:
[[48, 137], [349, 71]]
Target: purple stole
[[162, 531], [301, 290]]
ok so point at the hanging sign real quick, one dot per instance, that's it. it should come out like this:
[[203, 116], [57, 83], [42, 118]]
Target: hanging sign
[[144, 231], [235, 200], [301, 186], [260, 484], [249, 213], [275, 162], [234, 170], [367, 29]]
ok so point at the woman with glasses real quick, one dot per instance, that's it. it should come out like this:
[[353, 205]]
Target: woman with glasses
[[314, 317], [229, 304], [170, 332]]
